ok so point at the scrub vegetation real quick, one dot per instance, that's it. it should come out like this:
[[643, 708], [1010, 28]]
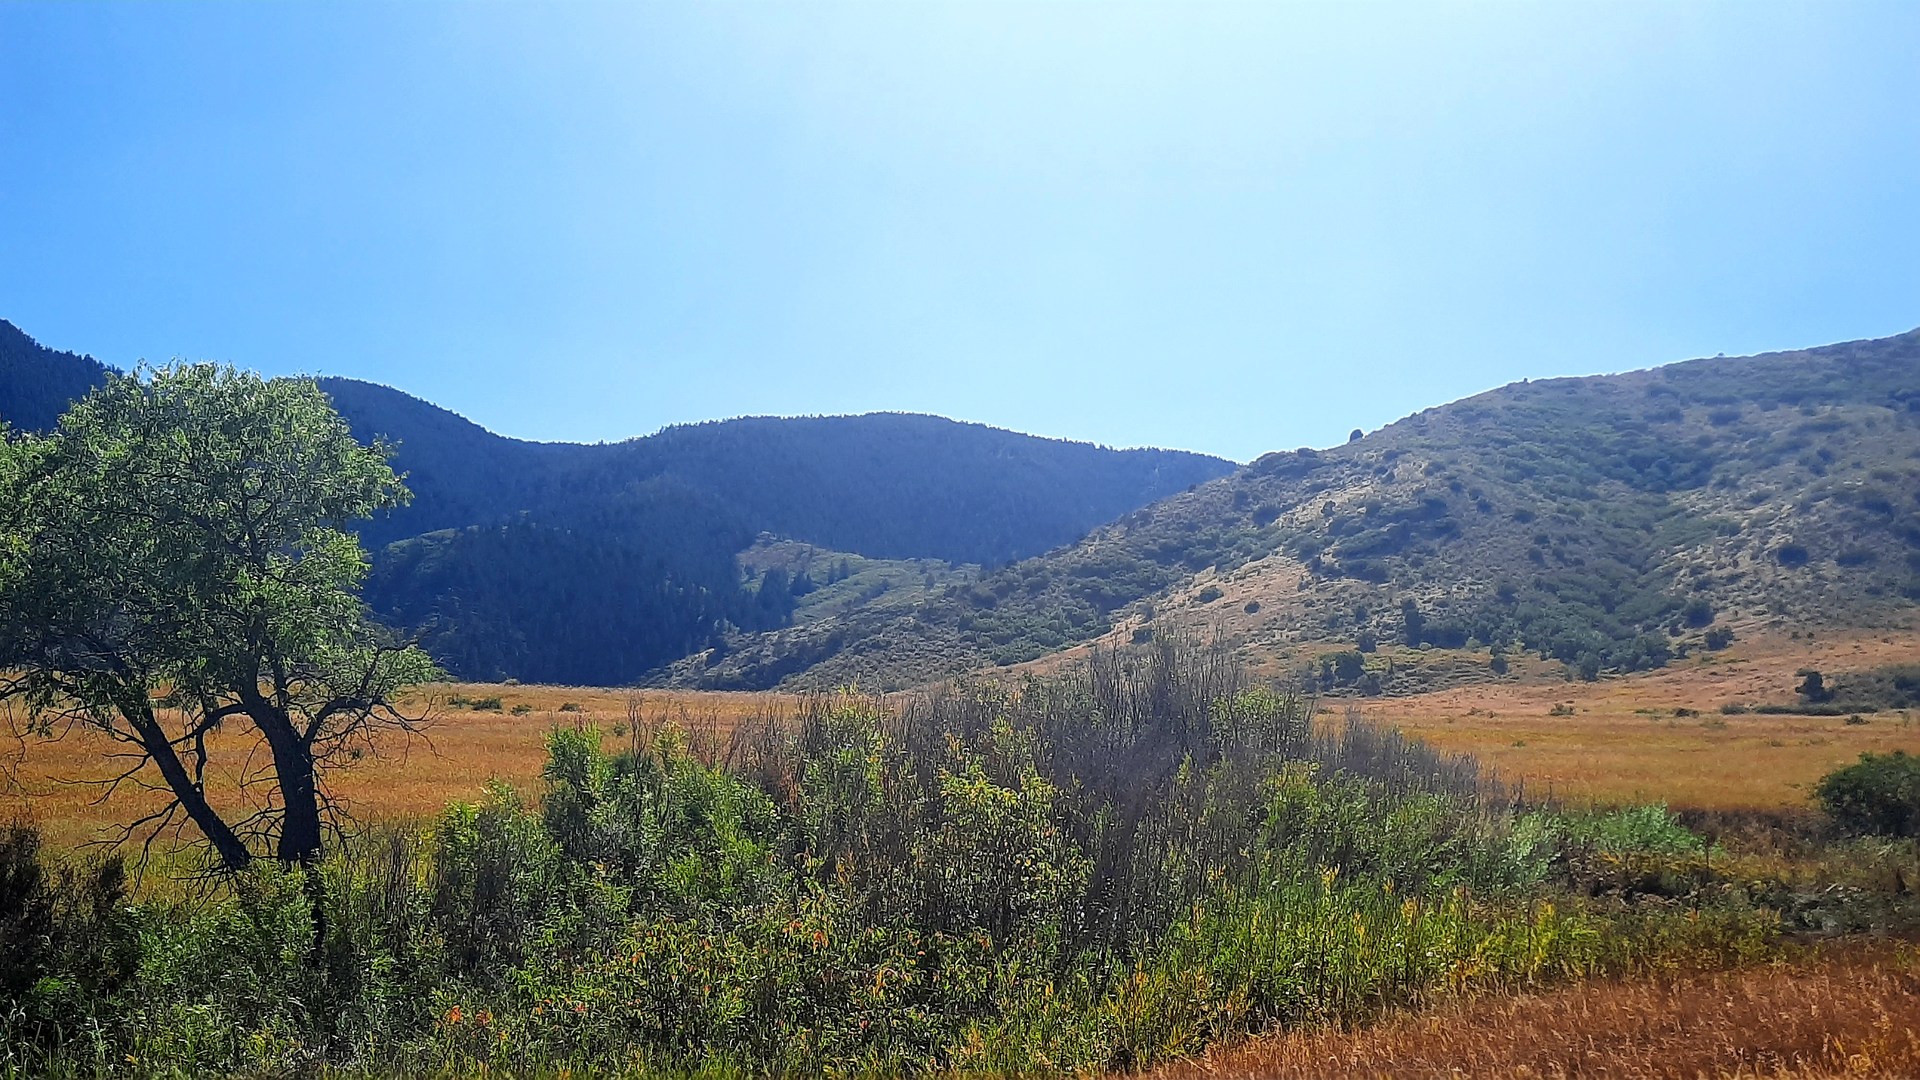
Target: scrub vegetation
[[1605, 525], [1106, 869]]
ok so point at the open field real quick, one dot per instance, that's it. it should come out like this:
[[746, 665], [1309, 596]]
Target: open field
[[1851, 1012], [1625, 740], [459, 751]]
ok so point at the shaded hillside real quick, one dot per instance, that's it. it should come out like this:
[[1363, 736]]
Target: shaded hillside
[[884, 485], [1608, 523], [37, 383], [604, 562], [598, 563]]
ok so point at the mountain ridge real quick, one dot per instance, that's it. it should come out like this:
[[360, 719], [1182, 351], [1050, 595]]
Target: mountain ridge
[[597, 562], [1607, 522]]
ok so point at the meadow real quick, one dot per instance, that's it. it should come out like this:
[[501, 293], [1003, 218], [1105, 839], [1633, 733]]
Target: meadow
[[1664, 736], [1849, 1011], [1111, 868], [1651, 737], [1142, 862], [407, 776]]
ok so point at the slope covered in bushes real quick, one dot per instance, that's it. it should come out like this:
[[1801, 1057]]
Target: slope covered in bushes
[[1609, 523]]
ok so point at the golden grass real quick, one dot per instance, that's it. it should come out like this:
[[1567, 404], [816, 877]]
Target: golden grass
[[1623, 741], [1849, 1013], [459, 752]]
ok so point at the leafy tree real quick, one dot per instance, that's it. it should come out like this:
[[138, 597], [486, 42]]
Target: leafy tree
[[1880, 794], [1813, 687], [174, 562], [1412, 622]]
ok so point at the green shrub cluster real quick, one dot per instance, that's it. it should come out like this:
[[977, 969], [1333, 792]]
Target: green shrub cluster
[[1878, 794], [1095, 871]]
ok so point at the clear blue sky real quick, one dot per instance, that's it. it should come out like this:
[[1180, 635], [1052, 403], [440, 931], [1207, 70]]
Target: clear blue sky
[[1219, 227]]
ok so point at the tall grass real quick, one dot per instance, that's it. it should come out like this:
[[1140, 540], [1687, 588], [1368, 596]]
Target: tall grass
[[1108, 868]]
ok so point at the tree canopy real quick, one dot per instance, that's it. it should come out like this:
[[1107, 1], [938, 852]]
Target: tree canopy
[[174, 560]]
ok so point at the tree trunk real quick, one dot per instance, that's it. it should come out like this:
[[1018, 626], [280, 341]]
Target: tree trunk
[[233, 854], [300, 804], [300, 839]]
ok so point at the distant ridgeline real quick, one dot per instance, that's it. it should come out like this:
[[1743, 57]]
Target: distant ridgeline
[[561, 562], [1610, 522]]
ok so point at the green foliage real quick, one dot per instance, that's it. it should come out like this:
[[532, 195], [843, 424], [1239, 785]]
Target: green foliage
[[1893, 686], [1643, 829], [1598, 522], [179, 541], [596, 564], [1878, 794], [1071, 875]]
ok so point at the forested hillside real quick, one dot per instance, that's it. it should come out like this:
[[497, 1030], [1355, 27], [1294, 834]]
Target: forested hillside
[[38, 383], [1610, 523], [596, 564]]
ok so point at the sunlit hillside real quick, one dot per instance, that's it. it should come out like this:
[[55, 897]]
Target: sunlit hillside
[[1607, 524]]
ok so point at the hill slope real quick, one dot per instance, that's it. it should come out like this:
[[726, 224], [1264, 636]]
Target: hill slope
[[37, 383], [1606, 523], [597, 563]]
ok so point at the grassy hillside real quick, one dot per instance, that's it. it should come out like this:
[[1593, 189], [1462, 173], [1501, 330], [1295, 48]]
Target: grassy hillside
[[563, 562], [1606, 523]]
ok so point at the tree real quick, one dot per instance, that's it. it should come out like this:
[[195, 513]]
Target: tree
[[1813, 687], [1879, 794], [1413, 624], [173, 562]]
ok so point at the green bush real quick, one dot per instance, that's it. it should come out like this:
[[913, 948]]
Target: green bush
[[1878, 794], [1077, 874]]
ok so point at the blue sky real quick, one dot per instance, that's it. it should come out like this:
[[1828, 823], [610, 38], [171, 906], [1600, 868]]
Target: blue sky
[[1229, 228]]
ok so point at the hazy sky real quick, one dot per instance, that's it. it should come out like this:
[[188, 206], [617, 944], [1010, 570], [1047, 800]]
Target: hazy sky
[[1229, 228]]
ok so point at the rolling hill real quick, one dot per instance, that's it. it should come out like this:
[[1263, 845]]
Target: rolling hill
[[563, 562], [1606, 524]]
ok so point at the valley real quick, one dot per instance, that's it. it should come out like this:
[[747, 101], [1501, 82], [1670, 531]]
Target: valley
[[1652, 737], [960, 541], [1512, 708]]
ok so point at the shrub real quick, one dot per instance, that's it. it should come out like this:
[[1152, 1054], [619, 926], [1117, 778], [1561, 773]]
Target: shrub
[[1878, 794], [1209, 594], [1071, 874], [1697, 613], [1813, 687]]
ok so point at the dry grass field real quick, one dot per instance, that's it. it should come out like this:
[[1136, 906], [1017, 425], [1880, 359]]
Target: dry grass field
[[458, 753], [1624, 740], [1619, 740], [1852, 1012]]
